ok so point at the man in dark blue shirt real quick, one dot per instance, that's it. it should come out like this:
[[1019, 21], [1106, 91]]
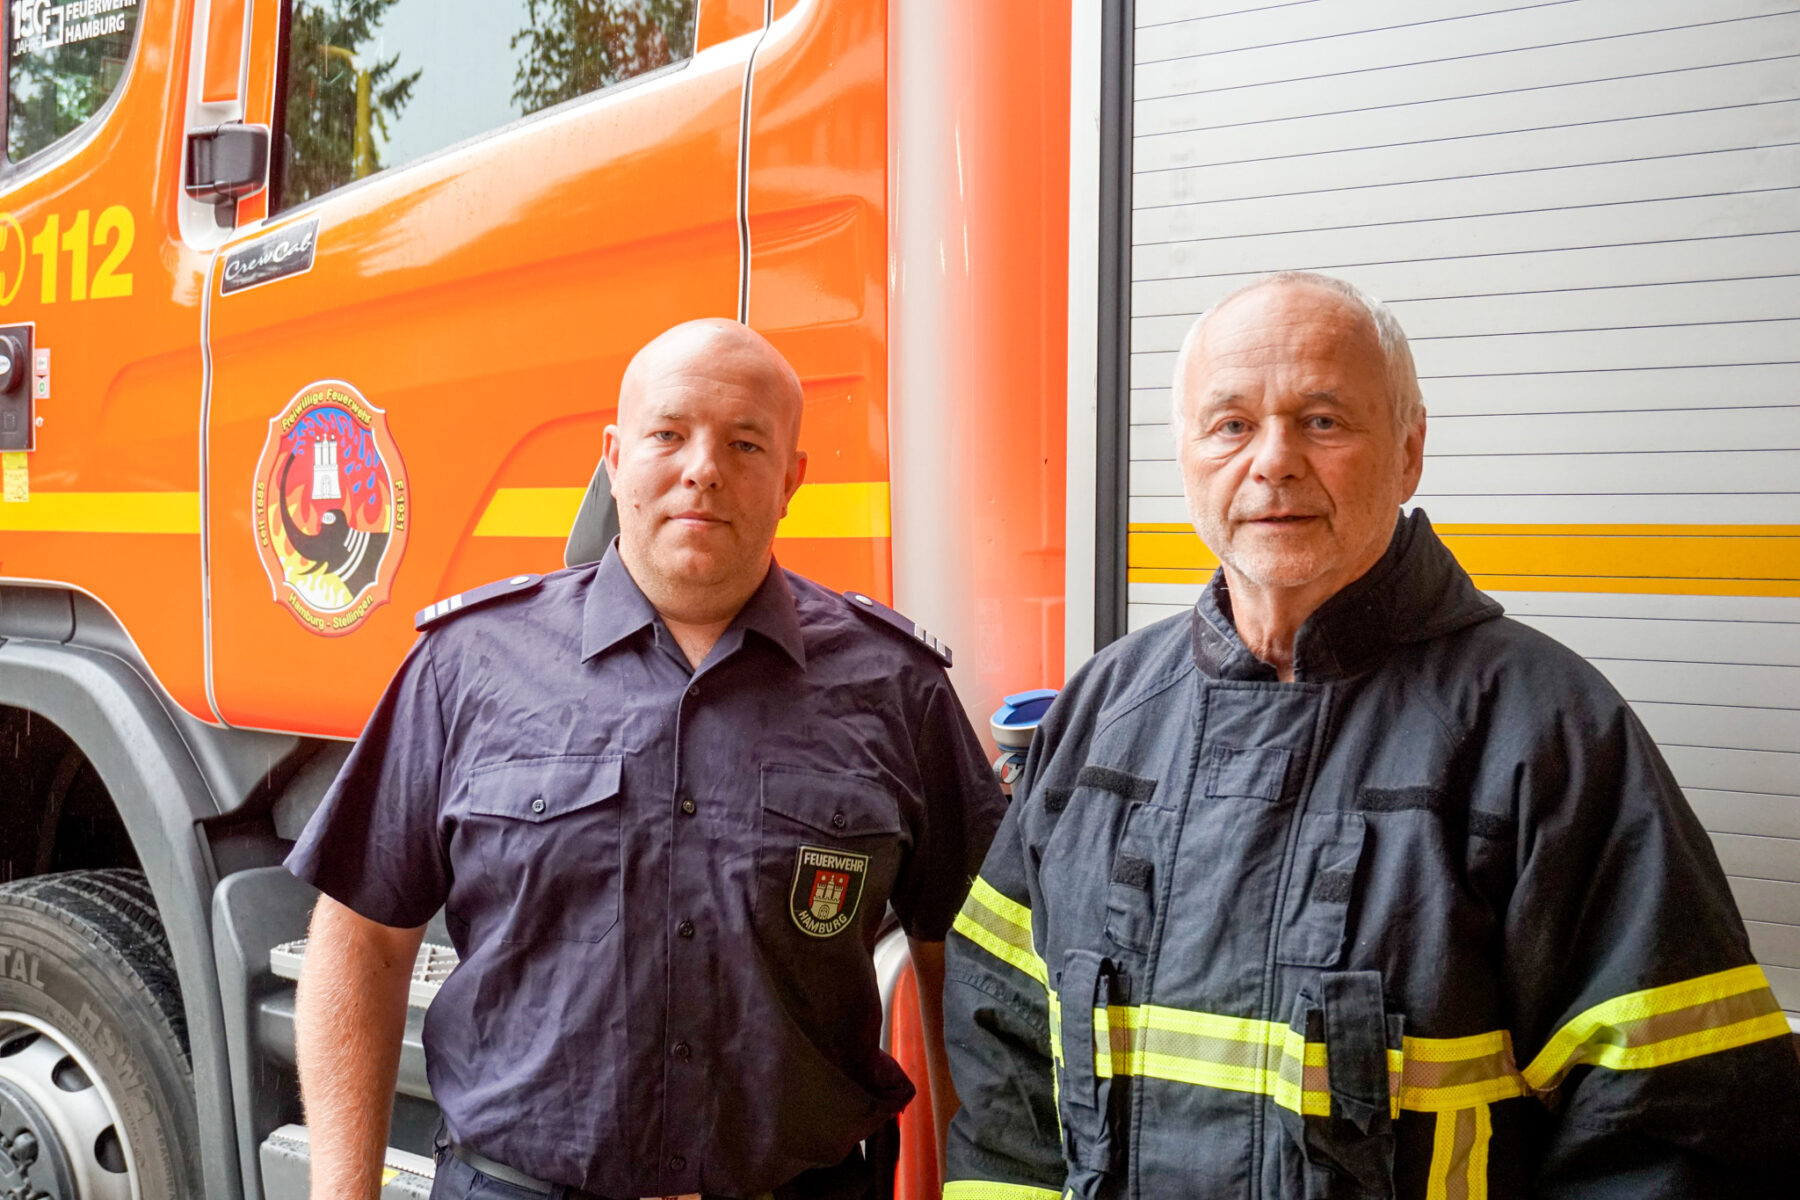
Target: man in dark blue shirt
[[664, 801]]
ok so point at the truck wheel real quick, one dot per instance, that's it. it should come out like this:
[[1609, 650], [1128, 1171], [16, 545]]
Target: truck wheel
[[96, 1088]]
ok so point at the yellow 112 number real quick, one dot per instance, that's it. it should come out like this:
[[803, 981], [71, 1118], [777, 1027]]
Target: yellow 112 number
[[114, 231]]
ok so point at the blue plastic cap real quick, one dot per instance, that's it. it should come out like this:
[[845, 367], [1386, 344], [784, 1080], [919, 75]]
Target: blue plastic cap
[[1018, 715]]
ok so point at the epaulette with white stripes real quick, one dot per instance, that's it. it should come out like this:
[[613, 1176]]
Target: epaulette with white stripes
[[875, 610], [518, 585]]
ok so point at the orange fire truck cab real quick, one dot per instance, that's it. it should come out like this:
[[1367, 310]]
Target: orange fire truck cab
[[311, 315]]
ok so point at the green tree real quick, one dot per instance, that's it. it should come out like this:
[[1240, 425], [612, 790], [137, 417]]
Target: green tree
[[572, 47], [320, 138]]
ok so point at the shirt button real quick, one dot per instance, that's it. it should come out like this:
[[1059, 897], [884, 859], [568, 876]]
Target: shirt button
[[687, 805], [693, 691], [678, 1163], [837, 820], [683, 1051], [685, 929], [537, 805]]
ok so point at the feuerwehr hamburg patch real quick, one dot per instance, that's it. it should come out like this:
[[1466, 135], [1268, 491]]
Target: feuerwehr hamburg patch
[[828, 885]]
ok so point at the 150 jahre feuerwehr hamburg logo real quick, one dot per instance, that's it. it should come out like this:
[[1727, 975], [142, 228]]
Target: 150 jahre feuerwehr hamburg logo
[[330, 508]]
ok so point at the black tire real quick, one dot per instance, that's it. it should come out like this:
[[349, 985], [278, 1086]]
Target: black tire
[[86, 970]]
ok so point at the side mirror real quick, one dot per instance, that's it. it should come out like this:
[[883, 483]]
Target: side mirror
[[225, 162]]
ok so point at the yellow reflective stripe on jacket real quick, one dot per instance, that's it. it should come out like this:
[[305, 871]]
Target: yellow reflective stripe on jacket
[[981, 1189], [1663, 1025], [1442, 1074], [1243, 1054], [1238, 1054], [1459, 1155], [1002, 927]]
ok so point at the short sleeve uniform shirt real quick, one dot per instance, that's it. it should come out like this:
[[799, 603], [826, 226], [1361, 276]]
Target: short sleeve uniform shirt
[[664, 883]]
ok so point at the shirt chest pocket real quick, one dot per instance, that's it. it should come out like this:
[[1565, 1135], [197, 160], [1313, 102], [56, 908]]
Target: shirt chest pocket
[[830, 848], [546, 837]]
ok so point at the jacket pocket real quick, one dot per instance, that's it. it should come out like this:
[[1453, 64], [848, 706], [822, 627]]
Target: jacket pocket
[[829, 848], [1344, 1126], [1137, 866], [547, 832], [1086, 984], [1320, 888]]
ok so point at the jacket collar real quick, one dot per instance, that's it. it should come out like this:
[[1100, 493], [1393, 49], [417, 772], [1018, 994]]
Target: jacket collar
[[616, 608], [1416, 592]]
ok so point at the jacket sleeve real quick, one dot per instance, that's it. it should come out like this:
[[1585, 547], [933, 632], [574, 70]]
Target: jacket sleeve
[[1640, 1017], [1005, 1143]]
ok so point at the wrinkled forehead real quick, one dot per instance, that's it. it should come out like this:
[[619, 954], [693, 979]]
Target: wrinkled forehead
[[1288, 336]]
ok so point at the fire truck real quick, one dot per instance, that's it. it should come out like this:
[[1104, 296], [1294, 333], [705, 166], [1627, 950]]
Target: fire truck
[[312, 313]]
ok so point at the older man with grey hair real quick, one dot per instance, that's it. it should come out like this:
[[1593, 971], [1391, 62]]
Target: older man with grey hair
[[1343, 884]]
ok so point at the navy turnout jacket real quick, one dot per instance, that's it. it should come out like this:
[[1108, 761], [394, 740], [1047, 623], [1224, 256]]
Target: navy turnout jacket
[[1431, 921]]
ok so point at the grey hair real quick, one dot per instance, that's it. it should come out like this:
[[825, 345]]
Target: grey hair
[[1404, 394]]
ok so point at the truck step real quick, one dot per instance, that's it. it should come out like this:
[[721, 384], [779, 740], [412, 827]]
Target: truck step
[[287, 1168], [430, 969]]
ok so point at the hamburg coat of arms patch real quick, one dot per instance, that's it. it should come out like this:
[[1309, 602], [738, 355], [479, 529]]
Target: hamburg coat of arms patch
[[828, 884]]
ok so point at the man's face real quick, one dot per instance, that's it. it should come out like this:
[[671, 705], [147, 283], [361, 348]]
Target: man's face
[[703, 465], [1290, 460]]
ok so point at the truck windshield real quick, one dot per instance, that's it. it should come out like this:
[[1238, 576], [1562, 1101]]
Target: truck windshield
[[63, 61], [376, 83]]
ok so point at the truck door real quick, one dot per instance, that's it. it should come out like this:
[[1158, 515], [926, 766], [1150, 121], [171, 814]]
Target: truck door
[[99, 303], [477, 211]]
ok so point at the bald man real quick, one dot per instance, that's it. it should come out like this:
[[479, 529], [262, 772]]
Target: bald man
[[664, 802]]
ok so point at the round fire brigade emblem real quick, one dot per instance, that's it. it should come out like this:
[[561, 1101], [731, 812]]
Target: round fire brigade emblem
[[827, 886], [330, 508]]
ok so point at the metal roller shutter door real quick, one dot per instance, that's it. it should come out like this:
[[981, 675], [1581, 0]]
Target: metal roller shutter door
[[1587, 216]]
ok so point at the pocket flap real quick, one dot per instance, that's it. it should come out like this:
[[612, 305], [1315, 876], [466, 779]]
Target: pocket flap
[[1326, 856], [542, 789], [1257, 772], [835, 805]]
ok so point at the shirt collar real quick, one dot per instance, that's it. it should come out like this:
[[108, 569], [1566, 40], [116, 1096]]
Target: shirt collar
[[770, 611], [616, 608]]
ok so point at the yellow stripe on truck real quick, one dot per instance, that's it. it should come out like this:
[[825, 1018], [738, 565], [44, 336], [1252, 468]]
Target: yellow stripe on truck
[[103, 512], [1702, 560], [818, 510]]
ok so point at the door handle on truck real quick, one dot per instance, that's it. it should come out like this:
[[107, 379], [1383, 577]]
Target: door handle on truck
[[225, 162]]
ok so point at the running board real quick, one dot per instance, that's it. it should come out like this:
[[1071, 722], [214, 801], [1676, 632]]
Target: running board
[[430, 969], [287, 1169]]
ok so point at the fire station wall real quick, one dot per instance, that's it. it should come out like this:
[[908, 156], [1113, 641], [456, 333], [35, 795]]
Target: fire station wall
[[1584, 214]]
